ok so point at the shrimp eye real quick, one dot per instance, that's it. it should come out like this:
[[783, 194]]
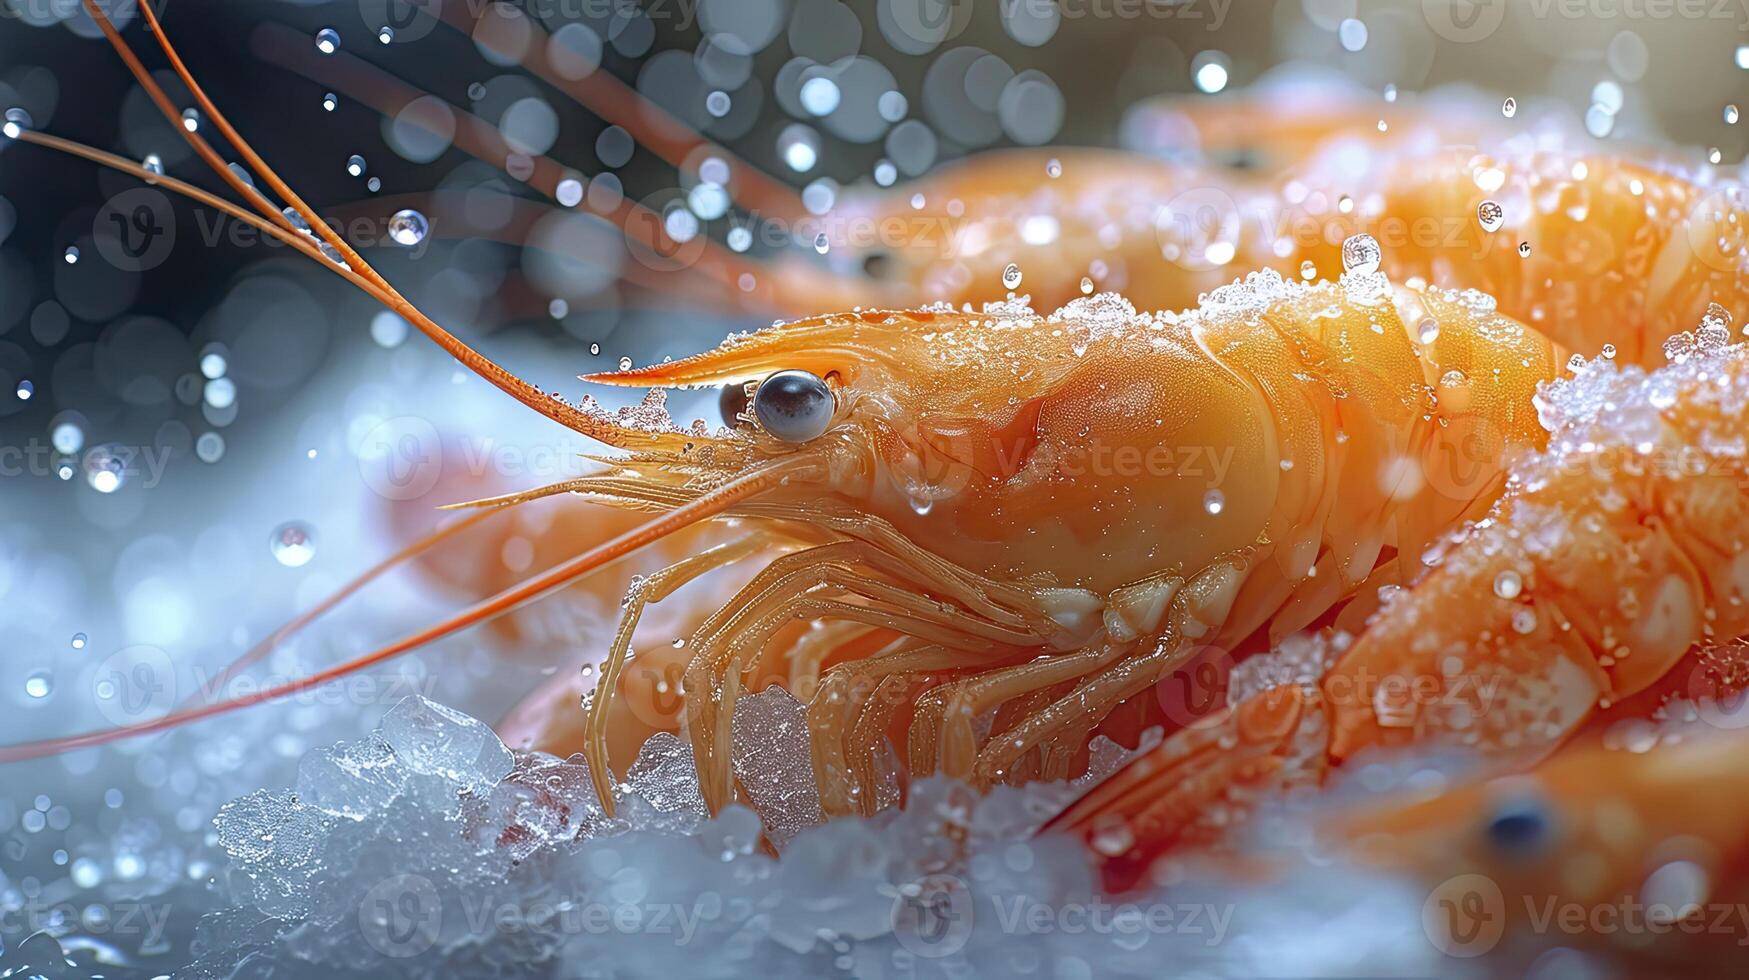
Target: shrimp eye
[[877, 265], [732, 402], [794, 406], [1519, 826]]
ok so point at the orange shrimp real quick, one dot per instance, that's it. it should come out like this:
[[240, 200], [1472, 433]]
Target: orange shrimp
[[1638, 855], [1590, 249], [1610, 556]]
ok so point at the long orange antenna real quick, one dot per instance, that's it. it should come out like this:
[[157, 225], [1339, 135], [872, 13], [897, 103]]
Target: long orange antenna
[[512, 598], [649, 124], [549, 406]]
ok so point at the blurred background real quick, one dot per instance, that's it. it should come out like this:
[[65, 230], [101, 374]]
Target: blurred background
[[202, 435]]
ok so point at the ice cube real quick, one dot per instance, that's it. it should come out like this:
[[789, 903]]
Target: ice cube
[[430, 738], [350, 779], [772, 760]]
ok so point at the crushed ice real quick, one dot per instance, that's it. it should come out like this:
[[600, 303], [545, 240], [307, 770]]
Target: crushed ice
[[429, 849]]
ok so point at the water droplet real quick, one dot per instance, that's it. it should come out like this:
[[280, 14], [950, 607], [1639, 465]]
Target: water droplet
[[1524, 250], [1490, 215], [292, 544], [408, 227], [153, 164], [1731, 115], [821, 244], [329, 101], [1713, 155], [191, 119], [1508, 584], [40, 684], [1053, 168], [67, 438], [1390, 93], [1509, 108], [71, 255], [17, 121], [388, 329], [1609, 351], [385, 35], [625, 364], [1352, 33], [718, 104], [26, 388], [595, 349], [1086, 286], [105, 469], [210, 447], [1427, 331], [1308, 271], [1211, 76], [79, 641], [1361, 255], [569, 192], [355, 165], [1214, 501], [212, 364], [327, 40], [740, 238], [820, 95], [374, 184], [1011, 277], [1523, 620]]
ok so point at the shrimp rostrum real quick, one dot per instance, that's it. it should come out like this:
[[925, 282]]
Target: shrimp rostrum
[[1048, 513]]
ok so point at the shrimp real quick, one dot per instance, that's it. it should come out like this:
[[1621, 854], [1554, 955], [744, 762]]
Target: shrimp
[[1595, 251], [1612, 553], [1646, 846], [1058, 559]]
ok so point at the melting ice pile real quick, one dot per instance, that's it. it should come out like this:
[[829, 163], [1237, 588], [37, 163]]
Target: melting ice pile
[[430, 849]]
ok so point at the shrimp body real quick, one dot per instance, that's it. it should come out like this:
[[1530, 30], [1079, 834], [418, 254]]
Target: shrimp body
[[1610, 555]]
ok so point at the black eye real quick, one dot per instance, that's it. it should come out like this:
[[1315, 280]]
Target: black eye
[[794, 406], [1519, 826], [877, 265], [732, 402]]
